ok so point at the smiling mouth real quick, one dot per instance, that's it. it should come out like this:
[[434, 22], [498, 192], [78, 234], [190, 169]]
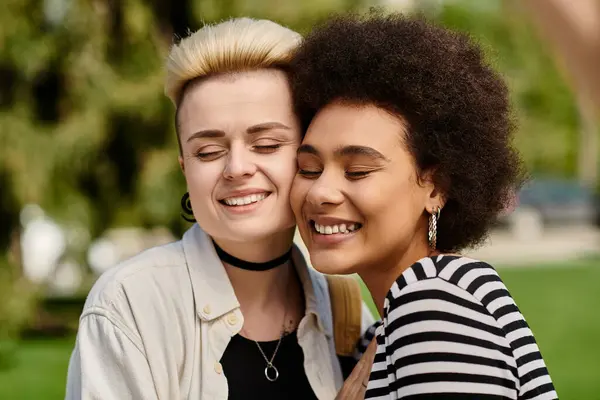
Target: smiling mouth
[[244, 200], [338, 229]]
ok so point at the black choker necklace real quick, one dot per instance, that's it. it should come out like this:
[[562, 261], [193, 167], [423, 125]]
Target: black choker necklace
[[251, 266]]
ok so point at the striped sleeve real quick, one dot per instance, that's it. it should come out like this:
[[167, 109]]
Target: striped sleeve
[[484, 283]]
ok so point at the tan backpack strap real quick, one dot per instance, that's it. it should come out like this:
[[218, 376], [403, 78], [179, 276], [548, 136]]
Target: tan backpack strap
[[346, 310]]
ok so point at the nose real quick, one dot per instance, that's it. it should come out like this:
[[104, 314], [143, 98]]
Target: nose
[[324, 191], [239, 163]]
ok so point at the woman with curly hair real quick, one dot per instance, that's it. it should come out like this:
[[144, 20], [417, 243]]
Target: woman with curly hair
[[407, 159]]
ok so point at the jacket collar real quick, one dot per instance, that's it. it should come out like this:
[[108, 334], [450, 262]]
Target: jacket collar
[[316, 292], [214, 296], [213, 293]]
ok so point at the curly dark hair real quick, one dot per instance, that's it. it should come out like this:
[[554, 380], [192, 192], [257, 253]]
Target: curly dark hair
[[456, 107]]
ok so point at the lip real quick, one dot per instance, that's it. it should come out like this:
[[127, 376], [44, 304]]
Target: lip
[[242, 193], [245, 209], [330, 240]]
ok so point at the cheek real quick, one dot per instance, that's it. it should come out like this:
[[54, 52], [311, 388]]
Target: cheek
[[391, 208], [280, 171], [202, 179], [300, 188]]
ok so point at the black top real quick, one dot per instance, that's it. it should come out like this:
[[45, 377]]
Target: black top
[[244, 366]]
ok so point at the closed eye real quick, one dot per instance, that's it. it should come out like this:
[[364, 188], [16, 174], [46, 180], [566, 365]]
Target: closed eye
[[357, 174], [209, 155], [267, 149], [309, 174]]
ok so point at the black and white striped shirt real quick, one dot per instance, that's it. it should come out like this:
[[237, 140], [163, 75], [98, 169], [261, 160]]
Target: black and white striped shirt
[[451, 330]]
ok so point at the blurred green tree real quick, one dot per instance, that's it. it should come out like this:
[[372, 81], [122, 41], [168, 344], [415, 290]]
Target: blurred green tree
[[545, 106], [85, 130]]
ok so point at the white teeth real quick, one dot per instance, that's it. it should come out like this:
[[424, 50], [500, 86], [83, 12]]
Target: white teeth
[[332, 229], [241, 201]]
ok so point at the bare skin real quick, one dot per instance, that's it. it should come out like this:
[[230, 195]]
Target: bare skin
[[355, 386]]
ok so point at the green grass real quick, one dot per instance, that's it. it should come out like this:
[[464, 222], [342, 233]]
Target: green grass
[[561, 303], [40, 371], [562, 306]]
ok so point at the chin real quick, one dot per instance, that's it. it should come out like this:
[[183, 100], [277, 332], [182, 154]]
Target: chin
[[328, 262], [250, 231]]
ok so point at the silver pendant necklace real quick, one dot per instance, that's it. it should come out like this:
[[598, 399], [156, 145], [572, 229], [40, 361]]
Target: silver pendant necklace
[[271, 371]]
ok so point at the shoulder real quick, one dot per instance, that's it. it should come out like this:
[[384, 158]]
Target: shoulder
[[455, 290], [460, 274], [143, 276], [464, 277], [458, 270], [455, 314]]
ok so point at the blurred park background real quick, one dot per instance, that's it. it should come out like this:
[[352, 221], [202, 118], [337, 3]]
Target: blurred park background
[[89, 173]]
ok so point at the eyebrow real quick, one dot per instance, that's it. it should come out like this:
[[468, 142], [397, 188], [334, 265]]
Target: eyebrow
[[207, 133], [266, 126], [307, 149], [216, 133], [360, 151], [351, 150]]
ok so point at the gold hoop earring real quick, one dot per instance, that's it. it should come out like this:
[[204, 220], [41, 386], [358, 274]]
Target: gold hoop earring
[[434, 217]]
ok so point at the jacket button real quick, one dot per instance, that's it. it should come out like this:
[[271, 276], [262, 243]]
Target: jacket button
[[232, 319], [206, 310], [218, 368]]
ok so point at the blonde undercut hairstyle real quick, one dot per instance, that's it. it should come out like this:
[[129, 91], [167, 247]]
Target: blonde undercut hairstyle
[[235, 45]]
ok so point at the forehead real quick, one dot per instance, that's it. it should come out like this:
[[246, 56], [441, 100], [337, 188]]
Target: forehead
[[340, 124], [235, 101]]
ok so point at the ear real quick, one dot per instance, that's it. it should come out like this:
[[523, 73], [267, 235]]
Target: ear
[[181, 164], [435, 196]]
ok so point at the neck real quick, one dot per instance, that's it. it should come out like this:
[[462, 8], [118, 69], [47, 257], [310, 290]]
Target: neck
[[259, 288], [380, 280], [261, 250]]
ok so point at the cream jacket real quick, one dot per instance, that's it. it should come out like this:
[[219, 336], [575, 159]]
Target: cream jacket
[[156, 326]]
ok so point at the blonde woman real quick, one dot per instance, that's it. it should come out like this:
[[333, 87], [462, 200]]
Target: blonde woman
[[232, 310]]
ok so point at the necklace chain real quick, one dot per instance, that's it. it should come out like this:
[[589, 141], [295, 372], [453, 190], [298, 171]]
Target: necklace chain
[[270, 366], [270, 362]]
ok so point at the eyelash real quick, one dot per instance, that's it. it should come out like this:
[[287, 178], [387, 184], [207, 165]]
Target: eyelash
[[350, 175], [209, 154], [308, 174], [268, 149], [357, 174]]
